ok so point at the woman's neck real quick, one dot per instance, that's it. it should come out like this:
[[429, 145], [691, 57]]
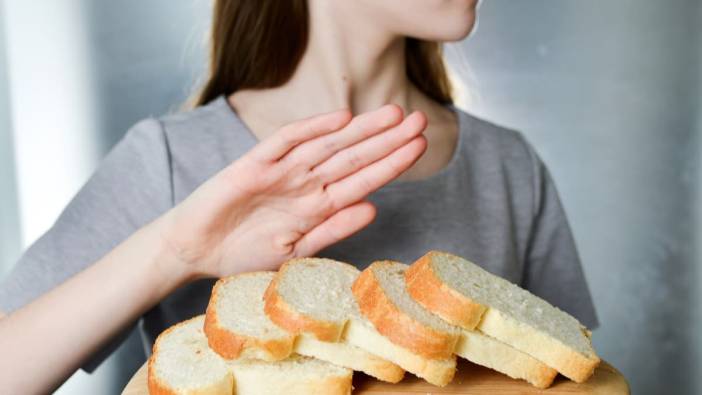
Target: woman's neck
[[349, 63], [350, 66], [355, 67]]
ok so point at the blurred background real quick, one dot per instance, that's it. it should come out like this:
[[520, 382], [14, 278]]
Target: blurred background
[[610, 93]]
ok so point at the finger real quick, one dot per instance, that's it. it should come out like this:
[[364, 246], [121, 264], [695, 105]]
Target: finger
[[298, 132], [360, 128], [359, 185], [339, 226], [356, 157]]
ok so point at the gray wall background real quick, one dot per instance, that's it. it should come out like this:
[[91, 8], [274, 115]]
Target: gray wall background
[[136, 59], [610, 93], [9, 225]]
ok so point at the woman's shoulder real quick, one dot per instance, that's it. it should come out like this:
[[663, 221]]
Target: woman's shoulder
[[487, 141], [215, 117], [193, 124], [201, 139]]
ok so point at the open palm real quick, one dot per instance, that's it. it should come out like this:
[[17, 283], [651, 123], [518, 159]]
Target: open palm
[[296, 192]]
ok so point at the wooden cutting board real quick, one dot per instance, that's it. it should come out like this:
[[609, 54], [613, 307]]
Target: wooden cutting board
[[470, 379]]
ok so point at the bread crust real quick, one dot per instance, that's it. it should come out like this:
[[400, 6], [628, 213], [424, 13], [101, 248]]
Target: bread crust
[[383, 370], [157, 387], [424, 286], [540, 376], [283, 315], [232, 345], [396, 325]]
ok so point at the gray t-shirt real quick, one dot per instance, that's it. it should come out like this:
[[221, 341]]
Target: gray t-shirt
[[494, 203]]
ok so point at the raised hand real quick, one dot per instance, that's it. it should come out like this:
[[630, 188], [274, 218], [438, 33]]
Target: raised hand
[[296, 192]]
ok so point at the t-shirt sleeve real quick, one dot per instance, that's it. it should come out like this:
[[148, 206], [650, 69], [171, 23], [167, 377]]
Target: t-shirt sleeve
[[130, 188], [553, 269]]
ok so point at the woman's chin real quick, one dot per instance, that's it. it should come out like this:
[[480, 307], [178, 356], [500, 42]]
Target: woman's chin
[[461, 34], [452, 32]]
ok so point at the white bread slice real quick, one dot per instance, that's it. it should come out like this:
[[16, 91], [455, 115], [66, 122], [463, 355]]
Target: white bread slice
[[237, 327], [383, 299], [435, 371], [486, 351], [296, 375], [182, 363], [510, 314], [349, 356], [311, 297]]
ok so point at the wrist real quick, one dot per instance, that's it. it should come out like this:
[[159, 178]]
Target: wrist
[[166, 267]]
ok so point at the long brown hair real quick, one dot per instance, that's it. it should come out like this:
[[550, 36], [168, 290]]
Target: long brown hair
[[258, 44]]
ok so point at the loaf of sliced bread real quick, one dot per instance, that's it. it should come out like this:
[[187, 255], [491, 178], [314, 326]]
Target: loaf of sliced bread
[[492, 353], [311, 298], [383, 299], [503, 311], [237, 327], [296, 375], [182, 363]]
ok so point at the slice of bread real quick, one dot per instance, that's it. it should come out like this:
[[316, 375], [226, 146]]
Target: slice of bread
[[510, 314], [383, 299], [311, 297], [486, 351], [435, 371], [182, 363], [296, 375], [350, 356], [237, 327]]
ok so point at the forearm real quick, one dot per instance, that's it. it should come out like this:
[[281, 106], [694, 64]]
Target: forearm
[[46, 341]]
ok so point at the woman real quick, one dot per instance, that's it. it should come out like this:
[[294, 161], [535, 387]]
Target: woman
[[236, 185]]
